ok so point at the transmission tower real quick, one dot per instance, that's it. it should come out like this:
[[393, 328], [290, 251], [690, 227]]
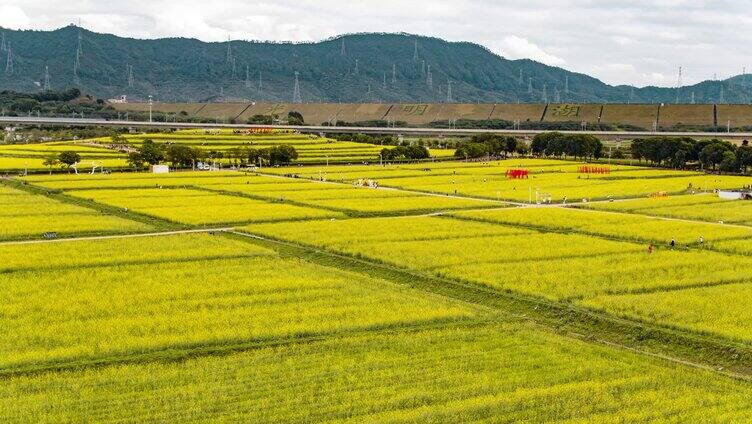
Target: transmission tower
[[260, 84], [449, 92], [566, 87], [429, 78], [721, 98], [521, 80], [247, 77], [130, 76], [545, 93], [415, 51], [3, 46], [631, 95], [384, 83], [229, 50], [357, 71], [557, 95], [296, 97], [232, 62], [678, 85], [394, 73], [423, 68], [693, 98], [529, 85], [47, 86], [79, 48], [9, 60], [342, 50]]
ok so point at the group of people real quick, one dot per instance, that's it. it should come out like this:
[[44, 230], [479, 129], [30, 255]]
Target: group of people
[[672, 244]]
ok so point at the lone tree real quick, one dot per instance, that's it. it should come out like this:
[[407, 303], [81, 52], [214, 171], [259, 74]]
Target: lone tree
[[149, 153], [68, 159], [51, 161]]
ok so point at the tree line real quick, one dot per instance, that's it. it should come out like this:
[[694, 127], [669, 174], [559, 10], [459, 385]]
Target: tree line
[[181, 156], [678, 152]]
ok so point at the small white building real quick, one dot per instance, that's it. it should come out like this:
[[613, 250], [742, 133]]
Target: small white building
[[735, 194], [122, 99], [160, 169]]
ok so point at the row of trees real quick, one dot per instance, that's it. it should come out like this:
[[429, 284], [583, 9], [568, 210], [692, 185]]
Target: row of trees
[[574, 145], [677, 152], [412, 152], [490, 145], [181, 156]]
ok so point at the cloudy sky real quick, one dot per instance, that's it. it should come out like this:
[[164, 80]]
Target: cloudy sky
[[621, 42]]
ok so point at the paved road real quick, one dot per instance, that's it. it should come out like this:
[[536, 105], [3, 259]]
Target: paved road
[[610, 135]]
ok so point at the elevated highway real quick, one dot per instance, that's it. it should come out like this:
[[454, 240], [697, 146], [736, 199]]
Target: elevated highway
[[396, 131]]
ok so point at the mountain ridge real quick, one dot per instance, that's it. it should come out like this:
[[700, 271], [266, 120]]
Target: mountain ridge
[[361, 67]]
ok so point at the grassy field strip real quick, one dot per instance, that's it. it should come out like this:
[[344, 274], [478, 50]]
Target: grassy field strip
[[728, 357], [120, 310], [429, 375], [666, 218], [615, 226], [401, 190]]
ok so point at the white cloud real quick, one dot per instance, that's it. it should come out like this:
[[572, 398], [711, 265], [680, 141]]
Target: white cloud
[[13, 17], [514, 47]]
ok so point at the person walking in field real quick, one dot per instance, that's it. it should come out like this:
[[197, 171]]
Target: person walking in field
[[673, 242], [702, 240], [650, 249]]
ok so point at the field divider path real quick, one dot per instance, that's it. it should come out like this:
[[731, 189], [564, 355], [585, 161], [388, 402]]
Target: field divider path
[[720, 355], [117, 236]]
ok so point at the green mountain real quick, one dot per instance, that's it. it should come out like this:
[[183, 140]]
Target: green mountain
[[350, 68]]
